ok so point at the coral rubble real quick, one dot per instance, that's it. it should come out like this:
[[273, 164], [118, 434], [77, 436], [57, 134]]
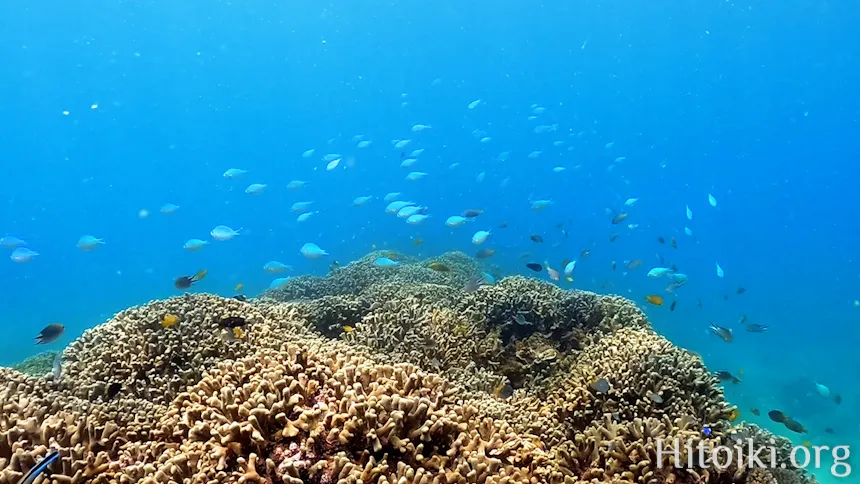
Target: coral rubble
[[375, 374]]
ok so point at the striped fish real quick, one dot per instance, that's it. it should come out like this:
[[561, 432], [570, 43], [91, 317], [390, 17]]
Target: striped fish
[[41, 467]]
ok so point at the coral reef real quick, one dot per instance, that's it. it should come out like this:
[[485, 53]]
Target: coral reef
[[375, 374], [37, 365]]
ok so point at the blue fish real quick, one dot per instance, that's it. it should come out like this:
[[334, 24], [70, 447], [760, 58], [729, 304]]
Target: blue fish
[[385, 262], [41, 467], [707, 431]]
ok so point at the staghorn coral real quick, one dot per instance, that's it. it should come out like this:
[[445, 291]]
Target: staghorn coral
[[404, 397]]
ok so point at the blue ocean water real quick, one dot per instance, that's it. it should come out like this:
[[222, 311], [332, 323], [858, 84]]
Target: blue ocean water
[[120, 107]]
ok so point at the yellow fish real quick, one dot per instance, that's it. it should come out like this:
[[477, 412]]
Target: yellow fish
[[348, 329], [169, 321], [655, 300], [238, 333], [439, 266], [239, 287], [417, 241], [735, 413]]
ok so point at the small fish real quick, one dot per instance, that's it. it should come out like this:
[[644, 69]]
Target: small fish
[[755, 411], [503, 390], [238, 333], [87, 243], [612, 265], [584, 254], [278, 282], [720, 272], [712, 200], [193, 245], [439, 267], [600, 386], [630, 202], [823, 390], [485, 253], [239, 287], [455, 221], [362, 200], [569, 267], [634, 264], [707, 431], [312, 251], [57, 366], [169, 321], [534, 266], [743, 319], [168, 208], [233, 322], [656, 398], [757, 328], [42, 467], [472, 212], [521, 320], [724, 333], [348, 329], [113, 390], [734, 414], [661, 239], [538, 205], [184, 282], [654, 299], [385, 262], [50, 334], [22, 255], [794, 425], [672, 306], [613, 237], [11, 242], [726, 376], [689, 212], [829, 430], [333, 266], [275, 267], [480, 237], [503, 225], [553, 274], [699, 303], [296, 184], [536, 238], [777, 416], [255, 189], [473, 284], [234, 173], [223, 232], [240, 297], [621, 217], [674, 242], [740, 290]]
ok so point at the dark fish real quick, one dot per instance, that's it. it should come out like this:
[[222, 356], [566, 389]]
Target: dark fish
[[240, 297], [726, 376], [113, 390], [725, 334], [50, 333], [333, 266], [613, 237], [559, 225], [536, 238], [741, 290], [661, 239], [40, 468], [472, 212], [794, 425], [837, 399], [674, 243], [613, 265], [757, 328], [185, 282], [699, 304], [777, 416], [503, 225], [619, 218], [584, 254], [534, 266], [755, 411], [725, 297], [634, 264], [829, 430], [504, 390], [564, 232], [485, 253], [672, 306], [743, 319], [233, 322]]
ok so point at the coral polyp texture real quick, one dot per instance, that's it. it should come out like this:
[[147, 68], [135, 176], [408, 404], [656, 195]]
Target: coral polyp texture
[[399, 374]]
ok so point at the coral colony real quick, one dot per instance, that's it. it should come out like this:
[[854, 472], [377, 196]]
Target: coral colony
[[377, 375]]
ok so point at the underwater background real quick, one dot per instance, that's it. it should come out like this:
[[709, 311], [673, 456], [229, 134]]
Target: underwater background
[[110, 111]]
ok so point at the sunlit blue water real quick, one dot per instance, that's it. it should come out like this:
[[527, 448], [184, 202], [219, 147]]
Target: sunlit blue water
[[754, 102]]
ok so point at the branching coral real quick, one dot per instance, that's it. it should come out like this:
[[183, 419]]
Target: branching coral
[[374, 374]]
